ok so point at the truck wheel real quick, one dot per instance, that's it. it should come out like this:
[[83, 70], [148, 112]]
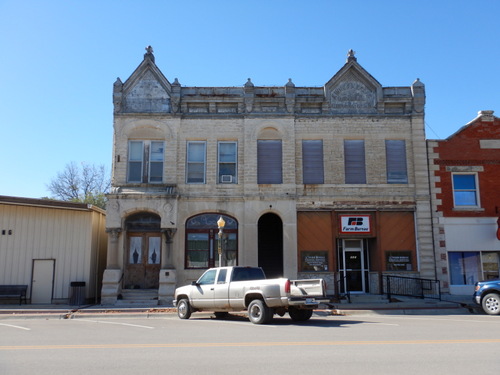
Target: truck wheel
[[259, 313], [491, 304], [184, 309], [299, 315]]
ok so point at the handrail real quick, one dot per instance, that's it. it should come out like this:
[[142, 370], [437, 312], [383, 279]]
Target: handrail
[[347, 293], [411, 287]]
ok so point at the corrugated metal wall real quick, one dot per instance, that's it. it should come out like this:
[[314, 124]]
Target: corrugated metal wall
[[71, 237]]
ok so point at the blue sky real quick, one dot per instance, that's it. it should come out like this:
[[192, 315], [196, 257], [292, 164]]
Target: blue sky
[[59, 60]]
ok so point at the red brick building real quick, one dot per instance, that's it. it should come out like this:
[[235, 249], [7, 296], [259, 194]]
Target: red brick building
[[465, 190]]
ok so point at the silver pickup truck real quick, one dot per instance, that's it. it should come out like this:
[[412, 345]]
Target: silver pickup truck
[[227, 289]]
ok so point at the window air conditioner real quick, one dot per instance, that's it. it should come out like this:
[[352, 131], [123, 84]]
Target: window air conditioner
[[226, 178]]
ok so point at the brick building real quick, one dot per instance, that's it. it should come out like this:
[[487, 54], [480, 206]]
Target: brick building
[[465, 185], [326, 181]]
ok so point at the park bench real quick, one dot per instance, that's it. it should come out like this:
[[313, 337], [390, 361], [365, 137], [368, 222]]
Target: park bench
[[14, 291]]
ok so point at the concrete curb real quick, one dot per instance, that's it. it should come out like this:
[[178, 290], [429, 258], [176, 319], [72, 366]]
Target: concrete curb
[[93, 312]]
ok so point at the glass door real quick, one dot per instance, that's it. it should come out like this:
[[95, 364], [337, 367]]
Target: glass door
[[143, 261], [354, 266]]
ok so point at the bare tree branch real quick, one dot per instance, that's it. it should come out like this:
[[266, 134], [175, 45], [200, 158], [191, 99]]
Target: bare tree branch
[[88, 184]]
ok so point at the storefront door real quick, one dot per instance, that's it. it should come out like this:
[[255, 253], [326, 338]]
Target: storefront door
[[143, 261], [355, 266]]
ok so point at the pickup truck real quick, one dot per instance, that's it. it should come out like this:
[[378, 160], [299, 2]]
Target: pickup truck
[[228, 289], [487, 295]]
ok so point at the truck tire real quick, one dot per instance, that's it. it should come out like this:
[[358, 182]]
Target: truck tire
[[259, 313], [299, 315], [184, 309], [491, 304]]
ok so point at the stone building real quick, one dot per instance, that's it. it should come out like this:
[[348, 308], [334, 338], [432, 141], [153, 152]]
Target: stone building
[[328, 181], [465, 181]]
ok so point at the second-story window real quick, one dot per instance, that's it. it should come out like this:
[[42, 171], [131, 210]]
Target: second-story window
[[312, 162], [395, 152], [269, 162], [354, 159], [145, 161], [196, 160], [227, 159], [465, 190]]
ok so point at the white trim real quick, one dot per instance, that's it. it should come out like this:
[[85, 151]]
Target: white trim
[[476, 191]]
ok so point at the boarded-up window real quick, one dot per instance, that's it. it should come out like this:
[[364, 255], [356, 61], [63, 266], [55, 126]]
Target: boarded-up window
[[395, 152], [269, 162], [312, 162], [354, 157]]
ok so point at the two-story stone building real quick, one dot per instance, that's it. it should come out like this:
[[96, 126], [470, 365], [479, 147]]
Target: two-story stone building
[[465, 184], [327, 181]]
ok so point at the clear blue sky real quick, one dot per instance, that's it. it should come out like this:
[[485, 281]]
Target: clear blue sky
[[59, 60]]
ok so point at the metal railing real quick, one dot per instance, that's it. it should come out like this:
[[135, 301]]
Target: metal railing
[[411, 287], [339, 287]]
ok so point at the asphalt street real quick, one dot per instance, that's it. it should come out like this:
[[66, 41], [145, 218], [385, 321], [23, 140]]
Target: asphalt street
[[372, 344]]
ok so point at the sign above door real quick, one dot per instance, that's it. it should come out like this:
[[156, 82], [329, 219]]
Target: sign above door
[[355, 224]]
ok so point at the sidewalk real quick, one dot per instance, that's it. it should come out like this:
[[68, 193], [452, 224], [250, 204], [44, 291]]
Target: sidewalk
[[379, 304], [360, 305]]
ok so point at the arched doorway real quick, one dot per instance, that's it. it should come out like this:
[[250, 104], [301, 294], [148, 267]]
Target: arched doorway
[[142, 252], [270, 243]]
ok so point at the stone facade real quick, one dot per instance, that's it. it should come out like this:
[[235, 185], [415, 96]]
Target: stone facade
[[352, 105]]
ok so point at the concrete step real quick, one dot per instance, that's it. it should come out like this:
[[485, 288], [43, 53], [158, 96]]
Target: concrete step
[[134, 296], [367, 298]]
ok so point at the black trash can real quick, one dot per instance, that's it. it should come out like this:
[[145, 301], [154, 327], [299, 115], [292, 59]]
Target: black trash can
[[77, 293]]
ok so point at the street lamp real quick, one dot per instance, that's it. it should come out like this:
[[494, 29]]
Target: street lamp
[[220, 224]]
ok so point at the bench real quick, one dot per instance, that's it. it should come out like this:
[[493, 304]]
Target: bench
[[14, 291]]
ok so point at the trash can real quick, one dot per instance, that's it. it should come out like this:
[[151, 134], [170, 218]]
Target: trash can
[[77, 293]]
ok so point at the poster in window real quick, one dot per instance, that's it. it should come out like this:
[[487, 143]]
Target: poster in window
[[314, 261], [135, 250], [154, 250], [398, 261]]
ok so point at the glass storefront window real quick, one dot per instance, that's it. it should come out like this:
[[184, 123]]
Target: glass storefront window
[[464, 267], [202, 241], [490, 265]]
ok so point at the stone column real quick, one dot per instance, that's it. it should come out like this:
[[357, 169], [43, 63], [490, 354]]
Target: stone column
[[166, 258], [112, 275], [113, 241], [168, 277]]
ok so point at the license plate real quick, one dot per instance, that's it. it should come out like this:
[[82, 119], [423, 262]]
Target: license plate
[[310, 301]]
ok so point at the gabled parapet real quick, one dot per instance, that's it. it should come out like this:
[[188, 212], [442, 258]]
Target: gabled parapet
[[351, 91], [146, 91]]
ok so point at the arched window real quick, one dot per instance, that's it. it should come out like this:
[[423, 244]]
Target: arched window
[[202, 241]]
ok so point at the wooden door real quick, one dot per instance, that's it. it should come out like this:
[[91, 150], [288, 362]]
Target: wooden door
[[143, 261]]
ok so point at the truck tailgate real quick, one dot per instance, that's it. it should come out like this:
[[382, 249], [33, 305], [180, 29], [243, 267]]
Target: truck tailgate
[[308, 287]]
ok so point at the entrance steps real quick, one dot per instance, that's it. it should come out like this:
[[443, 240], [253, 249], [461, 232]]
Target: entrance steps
[[366, 298], [138, 298]]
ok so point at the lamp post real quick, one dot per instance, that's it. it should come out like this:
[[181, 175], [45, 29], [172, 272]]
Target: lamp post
[[220, 224]]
